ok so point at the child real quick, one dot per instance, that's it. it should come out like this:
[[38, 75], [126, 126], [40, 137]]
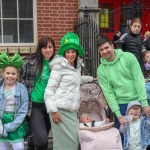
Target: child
[[146, 58], [85, 121], [136, 132], [13, 104]]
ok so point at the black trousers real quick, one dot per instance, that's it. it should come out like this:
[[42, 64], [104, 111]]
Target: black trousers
[[39, 123]]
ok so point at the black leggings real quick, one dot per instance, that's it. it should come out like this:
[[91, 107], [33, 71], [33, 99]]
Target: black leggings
[[39, 123]]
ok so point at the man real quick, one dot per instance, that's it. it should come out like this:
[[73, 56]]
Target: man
[[120, 78]]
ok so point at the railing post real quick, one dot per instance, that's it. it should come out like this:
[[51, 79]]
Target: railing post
[[86, 38]]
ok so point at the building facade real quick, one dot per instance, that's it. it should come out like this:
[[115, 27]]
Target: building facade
[[116, 15], [23, 22]]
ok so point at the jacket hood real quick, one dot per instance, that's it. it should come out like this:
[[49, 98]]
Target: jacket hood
[[60, 60], [118, 53], [136, 102]]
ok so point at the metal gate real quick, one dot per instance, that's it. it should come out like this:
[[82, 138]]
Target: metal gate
[[113, 18], [88, 32]]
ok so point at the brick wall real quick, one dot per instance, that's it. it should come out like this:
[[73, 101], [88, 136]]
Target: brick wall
[[56, 17]]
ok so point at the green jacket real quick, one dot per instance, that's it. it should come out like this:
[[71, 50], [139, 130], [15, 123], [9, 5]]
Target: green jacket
[[122, 80]]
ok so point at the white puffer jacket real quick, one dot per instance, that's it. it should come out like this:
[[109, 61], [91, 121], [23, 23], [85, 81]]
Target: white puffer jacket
[[63, 88]]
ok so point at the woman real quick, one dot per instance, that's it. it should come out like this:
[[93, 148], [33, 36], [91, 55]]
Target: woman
[[35, 75], [62, 94], [132, 41]]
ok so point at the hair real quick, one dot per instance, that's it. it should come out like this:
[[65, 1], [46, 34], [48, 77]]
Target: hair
[[144, 54], [43, 41], [83, 115], [147, 33], [135, 107], [117, 32], [102, 40], [135, 20]]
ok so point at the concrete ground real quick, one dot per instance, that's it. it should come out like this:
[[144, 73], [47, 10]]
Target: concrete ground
[[50, 142]]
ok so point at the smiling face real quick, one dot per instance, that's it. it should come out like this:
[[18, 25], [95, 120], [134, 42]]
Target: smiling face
[[107, 51], [71, 56], [47, 51], [10, 75]]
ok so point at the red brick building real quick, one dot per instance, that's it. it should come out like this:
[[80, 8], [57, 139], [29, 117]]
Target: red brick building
[[22, 22]]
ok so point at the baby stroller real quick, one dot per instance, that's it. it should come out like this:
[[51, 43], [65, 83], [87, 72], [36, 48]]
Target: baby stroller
[[93, 103]]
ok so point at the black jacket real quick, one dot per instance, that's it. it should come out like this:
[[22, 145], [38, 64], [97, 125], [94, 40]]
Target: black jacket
[[133, 43], [147, 43]]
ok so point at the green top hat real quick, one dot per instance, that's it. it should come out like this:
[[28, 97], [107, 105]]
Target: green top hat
[[70, 41]]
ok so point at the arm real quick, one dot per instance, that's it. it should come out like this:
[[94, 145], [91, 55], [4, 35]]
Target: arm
[[108, 91], [20, 114], [123, 128], [86, 79], [53, 82], [139, 80]]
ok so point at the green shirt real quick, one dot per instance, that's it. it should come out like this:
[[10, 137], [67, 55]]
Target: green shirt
[[37, 95], [122, 81]]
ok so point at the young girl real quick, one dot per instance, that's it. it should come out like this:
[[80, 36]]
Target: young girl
[[146, 58], [13, 104], [132, 42]]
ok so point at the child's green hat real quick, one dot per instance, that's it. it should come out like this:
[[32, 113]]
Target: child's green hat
[[70, 41]]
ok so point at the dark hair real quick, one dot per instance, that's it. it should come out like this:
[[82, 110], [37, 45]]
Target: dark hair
[[135, 20], [43, 41], [102, 40], [135, 107]]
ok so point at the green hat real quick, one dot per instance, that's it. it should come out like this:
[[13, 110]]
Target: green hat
[[16, 61], [70, 41]]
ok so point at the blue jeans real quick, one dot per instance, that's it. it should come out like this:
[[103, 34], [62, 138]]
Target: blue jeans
[[147, 85], [123, 109]]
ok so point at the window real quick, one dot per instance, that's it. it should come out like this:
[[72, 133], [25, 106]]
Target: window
[[106, 17], [16, 22]]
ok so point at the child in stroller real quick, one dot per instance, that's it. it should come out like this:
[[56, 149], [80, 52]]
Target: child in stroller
[[93, 104], [85, 121]]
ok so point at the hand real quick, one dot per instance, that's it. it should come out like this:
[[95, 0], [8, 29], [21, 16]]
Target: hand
[[95, 79], [122, 120], [56, 117], [146, 110], [107, 120]]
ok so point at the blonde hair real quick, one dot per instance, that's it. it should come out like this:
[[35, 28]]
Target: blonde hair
[[147, 34]]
